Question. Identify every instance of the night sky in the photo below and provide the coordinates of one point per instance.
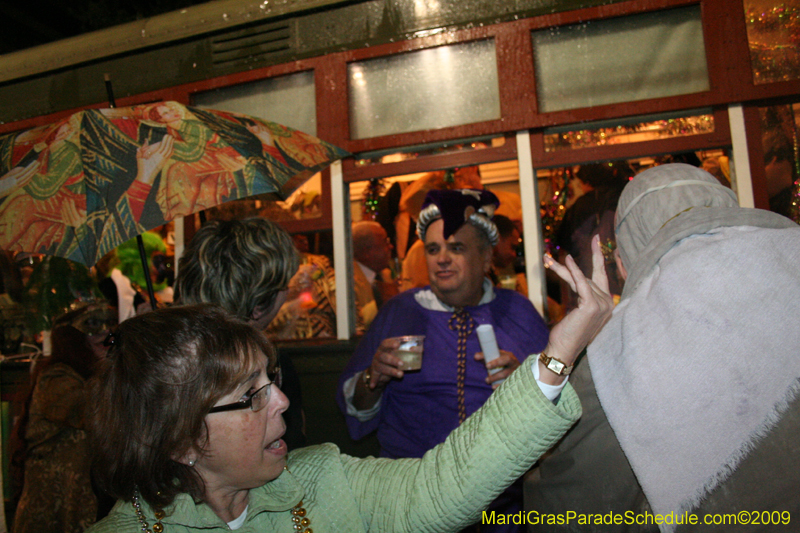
(28, 23)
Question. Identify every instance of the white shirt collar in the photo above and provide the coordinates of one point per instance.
(238, 522)
(428, 300)
(368, 272)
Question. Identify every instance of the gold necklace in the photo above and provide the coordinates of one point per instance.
(158, 527)
(299, 518)
(301, 521)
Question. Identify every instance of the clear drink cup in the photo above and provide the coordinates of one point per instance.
(410, 351)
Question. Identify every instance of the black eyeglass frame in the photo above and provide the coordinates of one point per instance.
(247, 402)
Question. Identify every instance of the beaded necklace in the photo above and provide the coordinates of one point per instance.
(158, 527)
(301, 521)
(462, 323)
(299, 518)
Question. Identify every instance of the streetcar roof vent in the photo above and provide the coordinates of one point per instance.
(254, 44)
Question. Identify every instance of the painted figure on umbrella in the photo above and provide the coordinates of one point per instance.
(42, 197)
(184, 166)
(82, 186)
(196, 170)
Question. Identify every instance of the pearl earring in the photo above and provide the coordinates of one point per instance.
(191, 462)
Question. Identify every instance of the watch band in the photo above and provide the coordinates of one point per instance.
(554, 365)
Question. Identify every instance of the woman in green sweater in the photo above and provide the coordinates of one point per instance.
(188, 430)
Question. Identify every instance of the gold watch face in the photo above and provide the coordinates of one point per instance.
(556, 366)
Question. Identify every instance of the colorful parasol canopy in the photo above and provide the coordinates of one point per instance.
(81, 186)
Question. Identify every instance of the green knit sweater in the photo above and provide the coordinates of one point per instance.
(444, 491)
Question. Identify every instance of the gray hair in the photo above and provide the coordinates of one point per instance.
(239, 265)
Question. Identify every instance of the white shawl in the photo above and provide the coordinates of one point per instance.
(701, 359)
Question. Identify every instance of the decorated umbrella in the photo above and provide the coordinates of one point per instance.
(81, 186)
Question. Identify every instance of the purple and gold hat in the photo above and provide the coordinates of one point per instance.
(456, 208)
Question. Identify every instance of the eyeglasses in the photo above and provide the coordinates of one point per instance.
(256, 400)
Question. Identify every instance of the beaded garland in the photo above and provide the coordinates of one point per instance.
(158, 527)
(299, 518)
(299, 515)
(462, 323)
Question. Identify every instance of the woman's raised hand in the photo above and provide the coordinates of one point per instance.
(595, 305)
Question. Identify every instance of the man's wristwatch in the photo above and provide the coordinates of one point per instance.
(366, 376)
(554, 365)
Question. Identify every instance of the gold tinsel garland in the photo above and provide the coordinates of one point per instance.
(774, 36)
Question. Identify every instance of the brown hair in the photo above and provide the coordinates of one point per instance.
(166, 369)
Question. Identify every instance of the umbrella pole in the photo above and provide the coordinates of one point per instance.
(109, 90)
(142, 254)
(147, 277)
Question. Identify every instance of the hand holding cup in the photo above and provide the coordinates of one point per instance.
(394, 357)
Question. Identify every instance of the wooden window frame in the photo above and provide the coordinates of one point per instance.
(729, 70)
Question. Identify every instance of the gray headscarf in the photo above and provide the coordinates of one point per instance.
(658, 194)
(655, 211)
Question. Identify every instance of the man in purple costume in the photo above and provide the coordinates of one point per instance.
(415, 411)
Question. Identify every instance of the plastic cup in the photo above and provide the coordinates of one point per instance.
(410, 351)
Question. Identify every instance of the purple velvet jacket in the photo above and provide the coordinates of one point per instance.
(419, 411)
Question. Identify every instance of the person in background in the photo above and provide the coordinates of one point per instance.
(415, 411)
(130, 264)
(129, 290)
(593, 214)
(50, 448)
(388, 216)
(245, 266)
(372, 253)
(414, 268)
(719, 167)
(164, 262)
(116, 287)
(504, 257)
(10, 277)
(12, 314)
(780, 172)
(310, 308)
(27, 263)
